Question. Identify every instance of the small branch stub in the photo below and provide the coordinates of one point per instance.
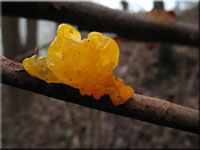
(36, 51)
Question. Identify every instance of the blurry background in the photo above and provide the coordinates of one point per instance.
(166, 71)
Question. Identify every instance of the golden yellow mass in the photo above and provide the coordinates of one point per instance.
(86, 64)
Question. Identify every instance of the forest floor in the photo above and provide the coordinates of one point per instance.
(167, 71)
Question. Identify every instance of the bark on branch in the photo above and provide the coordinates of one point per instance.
(92, 17)
(153, 110)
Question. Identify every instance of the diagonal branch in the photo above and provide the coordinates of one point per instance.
(153, 110)
(93, 17)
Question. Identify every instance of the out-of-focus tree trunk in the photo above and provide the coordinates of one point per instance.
(158, 5)
(168, 62)
(18, 100)
(124, 5)
(10, 37)
(31, 34)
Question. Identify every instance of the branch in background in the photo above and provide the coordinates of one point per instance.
(139, 107)
(93, 17)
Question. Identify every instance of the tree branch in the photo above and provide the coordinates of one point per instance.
(92, 17)
(153, 110)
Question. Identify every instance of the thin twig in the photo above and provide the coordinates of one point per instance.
(30, 53)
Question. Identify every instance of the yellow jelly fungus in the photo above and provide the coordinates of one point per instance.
(36, 66)
(86, 64)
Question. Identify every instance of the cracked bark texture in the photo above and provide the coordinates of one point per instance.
(144, 108)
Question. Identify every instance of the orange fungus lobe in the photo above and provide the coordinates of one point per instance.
(86, 64)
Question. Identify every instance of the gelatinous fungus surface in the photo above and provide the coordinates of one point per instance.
(86, 64)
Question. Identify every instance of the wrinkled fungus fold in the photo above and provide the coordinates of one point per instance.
(86, 64)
